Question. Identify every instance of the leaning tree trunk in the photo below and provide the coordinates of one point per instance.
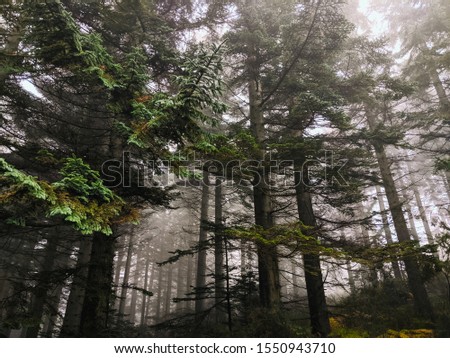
(415, 280)
(98, 295)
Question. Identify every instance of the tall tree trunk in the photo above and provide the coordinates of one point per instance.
(218, 253)
(43, 284)
(370, 273)
(55, 297)
(168, 294)
(144, 305)
(52, 316)
(159, 295)
(98, 294)
(412, 224)
(415, 280)
(200, 280)
(318, 311)
(125, 282)
(72, 316)
(118, 270)
(351, 278)
(295, 281)
(268, 271)
(181, 289)
(189, 273)
(420, 206)
(137, 271)
(387, 231)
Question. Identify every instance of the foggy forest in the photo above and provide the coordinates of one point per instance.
(227, 168)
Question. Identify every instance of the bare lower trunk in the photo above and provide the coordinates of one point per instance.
(143, 321)
(137, 271)
(420, 206)
(181, 283)
(218, 253)
(387, 232)
(268, 271)
(71, 323)
(159, 294)
(200, 280)
(168, 294)
(125, 282)
(96, 306)
(43, 284)
(190, 269)
(318, 309)
(351, 278)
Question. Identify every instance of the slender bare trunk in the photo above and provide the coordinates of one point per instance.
(136, 275)
(218, 252)
(387, 232)
(144, 295)
(159, 294)
(190, 269)
(125, 282)
(168, 293)
(420, 206)
(200, 280)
